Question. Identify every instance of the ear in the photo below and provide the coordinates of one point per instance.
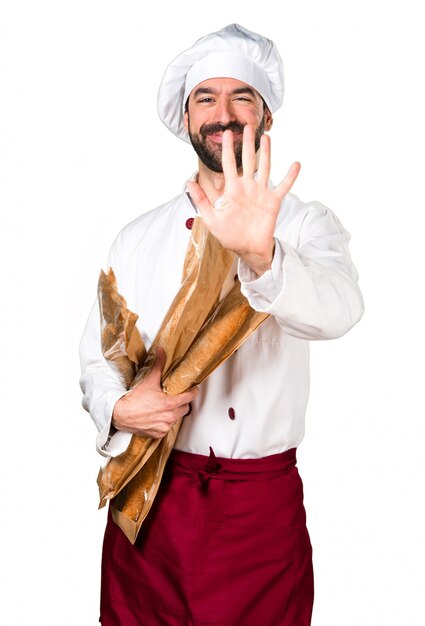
(186, 120)
(268, 119)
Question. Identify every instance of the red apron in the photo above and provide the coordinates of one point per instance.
(225, 544)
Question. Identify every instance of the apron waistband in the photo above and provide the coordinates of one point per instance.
(203, 468)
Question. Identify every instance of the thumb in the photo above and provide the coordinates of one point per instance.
(199, 197)
(286, 184)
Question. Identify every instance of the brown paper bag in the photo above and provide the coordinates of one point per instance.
(197, 334)
(205, 268)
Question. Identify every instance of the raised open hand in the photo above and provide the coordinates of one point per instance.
(244, 218)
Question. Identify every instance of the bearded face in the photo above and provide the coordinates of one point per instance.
(210, 150)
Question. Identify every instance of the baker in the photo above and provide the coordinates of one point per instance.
(226, 540)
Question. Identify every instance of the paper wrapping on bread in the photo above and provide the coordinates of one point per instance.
(198, 333)
(121, 341)
(205, 268)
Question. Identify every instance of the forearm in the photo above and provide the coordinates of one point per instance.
(101, 386)
(311, 291)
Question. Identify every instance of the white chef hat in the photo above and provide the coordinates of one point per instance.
(233, 52)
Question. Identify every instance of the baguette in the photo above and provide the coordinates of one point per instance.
(198, 333)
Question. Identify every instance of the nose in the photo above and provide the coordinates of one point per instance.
(224, 112)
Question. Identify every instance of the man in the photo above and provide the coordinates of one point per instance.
(226, 540)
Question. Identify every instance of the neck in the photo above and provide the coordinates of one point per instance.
(211, 182)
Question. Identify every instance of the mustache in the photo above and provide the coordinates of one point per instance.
(211, 129)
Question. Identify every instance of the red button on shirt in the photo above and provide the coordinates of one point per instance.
(189, 223)
(231, 413)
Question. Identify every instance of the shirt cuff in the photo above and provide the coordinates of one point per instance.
(111, 442)
(262, 291)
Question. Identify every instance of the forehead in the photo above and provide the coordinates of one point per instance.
(223, 85)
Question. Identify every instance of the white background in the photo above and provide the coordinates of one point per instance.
(83, 153)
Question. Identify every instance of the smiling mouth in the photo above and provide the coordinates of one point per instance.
(218, 137)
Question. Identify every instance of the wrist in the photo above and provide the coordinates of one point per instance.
(119, 414)
(260, 263)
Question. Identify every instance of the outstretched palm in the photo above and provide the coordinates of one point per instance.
(244, 219)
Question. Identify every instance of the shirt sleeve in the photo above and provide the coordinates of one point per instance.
(312, 289)
(100, 382)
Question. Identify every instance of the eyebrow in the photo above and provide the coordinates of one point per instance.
(210, 90)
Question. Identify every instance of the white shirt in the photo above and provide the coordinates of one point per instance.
(254, 404)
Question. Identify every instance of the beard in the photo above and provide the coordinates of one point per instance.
(211, 155)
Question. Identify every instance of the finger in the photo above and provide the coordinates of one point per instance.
(228, 160)
(197, 194)
(263, 172)
(286, 184)
(186, 397)
(185, 410)
(201, 201)
(189, 396)
(248, 151)
(170, 417)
